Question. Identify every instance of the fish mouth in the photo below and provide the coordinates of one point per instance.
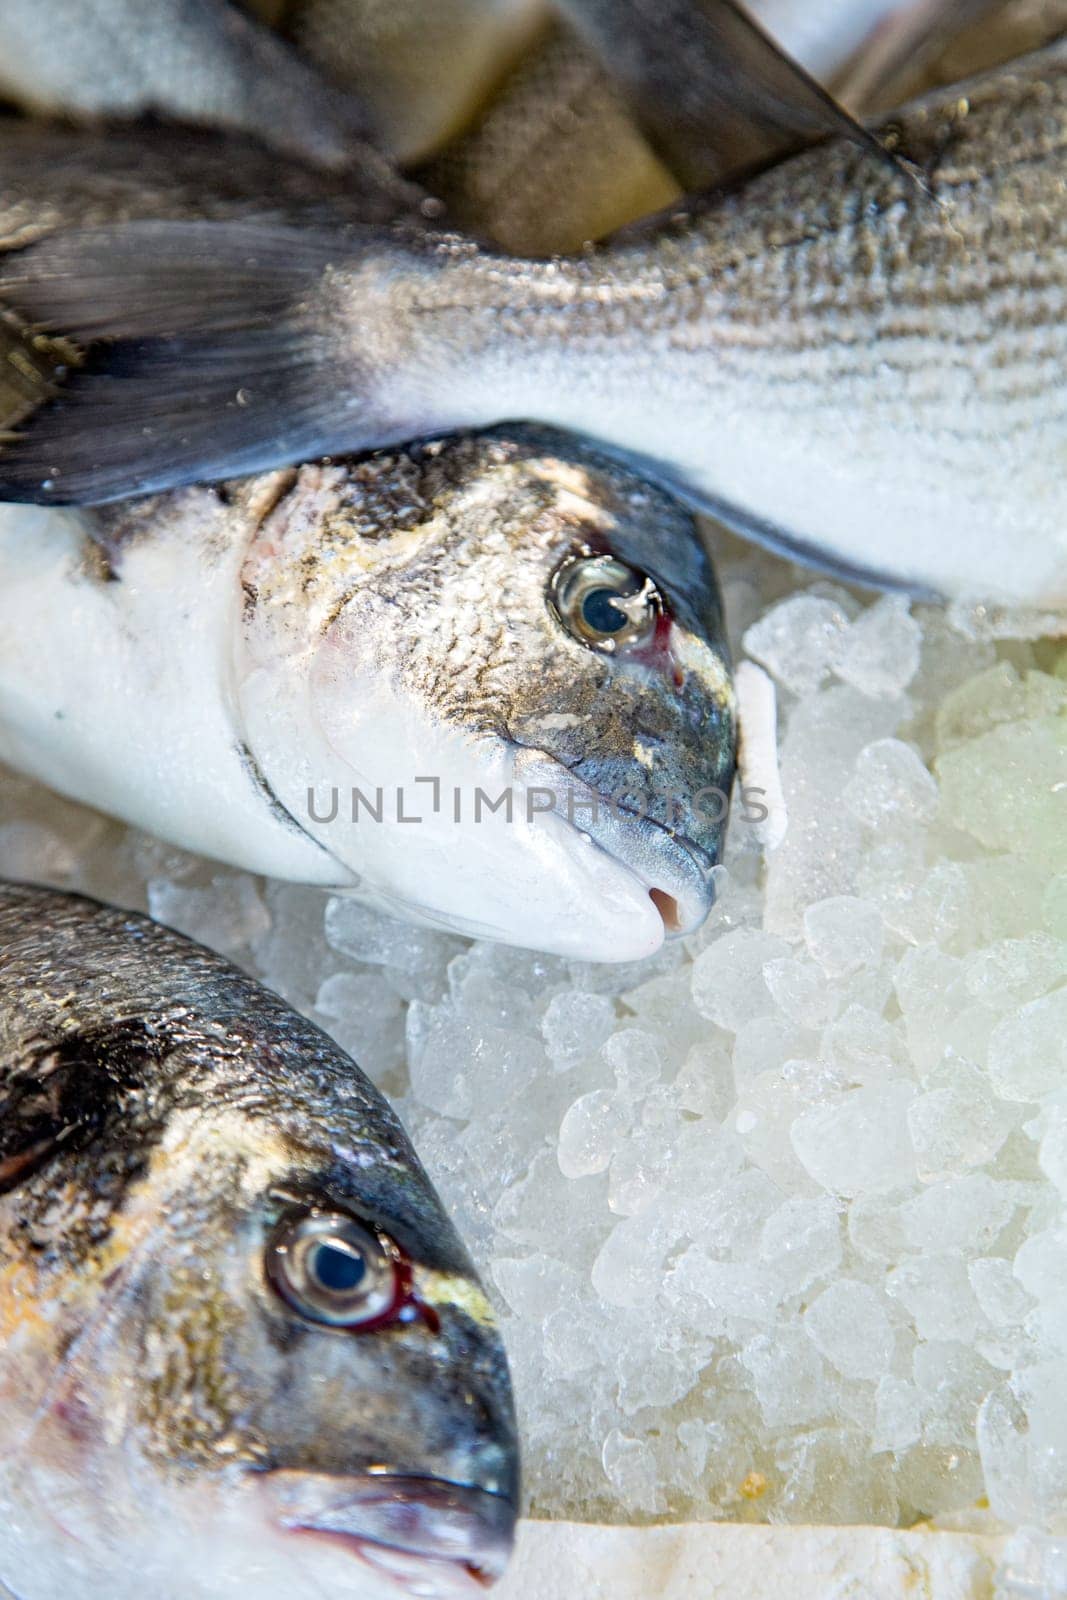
(675, 872)
(451, 1539)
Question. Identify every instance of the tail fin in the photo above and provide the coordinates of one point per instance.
(221, 358)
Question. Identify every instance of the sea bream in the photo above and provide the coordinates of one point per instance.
(480, 683)
(854, 364)
(242, 1348)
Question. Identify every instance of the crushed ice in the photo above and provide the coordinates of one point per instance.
(775, 1220)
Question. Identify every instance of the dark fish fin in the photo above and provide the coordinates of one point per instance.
(219, 364)
(714, 93)
(139, 280)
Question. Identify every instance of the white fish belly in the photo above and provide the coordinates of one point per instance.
(119, 694)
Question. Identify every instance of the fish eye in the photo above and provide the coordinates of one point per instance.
(605, 604)
(332, 1270)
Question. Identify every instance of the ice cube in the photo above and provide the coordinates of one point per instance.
(801, 992)
(958, 1124)
(228, 915)
(848, 1324)
(898, 1415)
(590, 1133)
(881, 648)
(799, 641)
(891, 785)
(728, 982)
(1013, 971)
(575, 1025)
(788, 1377)
(1008, 789)
(858, 1142)
(1028, 1049)
(801, 1241)
(630, 1468)
(936, 1291)
(964, 1214)
(844, 933)
(767, 1110)
(366, 1018)
(998, 1291)
(1052, 1154)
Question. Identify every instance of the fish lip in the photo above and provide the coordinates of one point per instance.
(672, 864)
(462, 1532)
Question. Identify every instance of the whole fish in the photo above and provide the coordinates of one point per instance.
(422, 67)
(242, 1348)
(481, 683)
(849, 365)
(197, 60)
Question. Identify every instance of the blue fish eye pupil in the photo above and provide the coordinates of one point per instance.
(337, 1270)
(600, 614)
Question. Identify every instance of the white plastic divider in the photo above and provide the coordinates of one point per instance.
(732, 1561)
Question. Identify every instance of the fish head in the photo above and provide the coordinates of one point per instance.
(521, 692)
(285, 1359)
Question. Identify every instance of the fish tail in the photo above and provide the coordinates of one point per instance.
(216, 349)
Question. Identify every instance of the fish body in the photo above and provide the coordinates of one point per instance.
(240, 1341)
(201, 61)
(853, 366)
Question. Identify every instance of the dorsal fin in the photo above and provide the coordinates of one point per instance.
(713, 92)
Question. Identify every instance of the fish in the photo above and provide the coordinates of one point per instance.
(931, 43)
(855, 367)
(203, 61)
(241, 1343)
(53, 176)
(479, 683)
(422, 67)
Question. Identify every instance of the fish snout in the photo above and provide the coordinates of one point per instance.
(453, 1540)
(675, 872)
